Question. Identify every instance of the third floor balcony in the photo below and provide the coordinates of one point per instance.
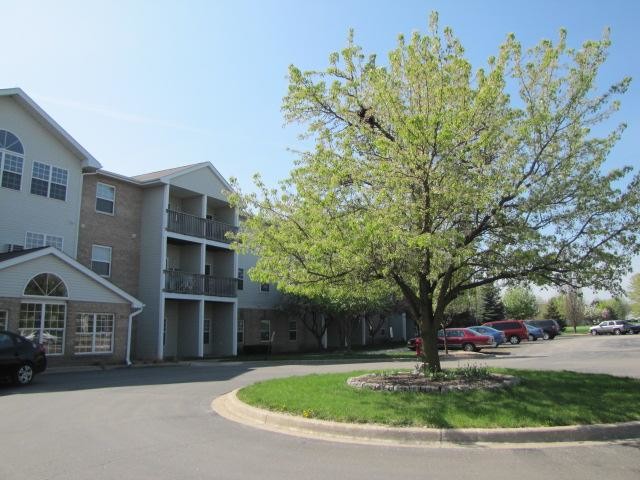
(187, 224)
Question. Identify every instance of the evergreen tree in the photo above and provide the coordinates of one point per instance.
(552, 311)
(493, 306)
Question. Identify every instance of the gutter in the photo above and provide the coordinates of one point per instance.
(131, 315)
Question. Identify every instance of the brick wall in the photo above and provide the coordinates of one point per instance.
(121, 319)
(279, 324)
(120, 231)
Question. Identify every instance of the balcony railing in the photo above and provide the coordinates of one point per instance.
(187, 224)
(198, 284)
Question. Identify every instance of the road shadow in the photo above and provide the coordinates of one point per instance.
(125, 377)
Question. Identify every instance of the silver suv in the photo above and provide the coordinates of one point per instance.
(613, 327)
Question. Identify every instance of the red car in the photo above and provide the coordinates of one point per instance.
(463, 338)
(514, 330)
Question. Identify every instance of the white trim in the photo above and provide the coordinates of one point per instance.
(95, 206)
(49, 181)
(6, 319)
(42, 313)
(61, 299)
(194, 168)
(93, 334)
(187, 296)
(73, 263)
(44, 240)
(110, 258)
(33, 108)
(3, 152)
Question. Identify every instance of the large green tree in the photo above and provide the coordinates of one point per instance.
(435, 179)
(520, 303)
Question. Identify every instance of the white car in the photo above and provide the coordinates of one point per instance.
(612, 327)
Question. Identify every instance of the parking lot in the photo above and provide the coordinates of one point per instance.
(156, 423)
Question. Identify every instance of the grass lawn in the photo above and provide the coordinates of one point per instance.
(541, 399)
(581, 329)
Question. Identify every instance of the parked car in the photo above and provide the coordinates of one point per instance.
(514, 330)
(20, 358)
(411, 343)
(499, 336)
(466, 339)
(534, 332)
(635, 328)
(612, 327)
(551, 328)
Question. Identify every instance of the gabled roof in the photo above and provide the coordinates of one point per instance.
(166, 175)
(151, 176)
(51, 125)
(15, 258)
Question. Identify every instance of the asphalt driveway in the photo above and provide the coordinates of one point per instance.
(156, 423)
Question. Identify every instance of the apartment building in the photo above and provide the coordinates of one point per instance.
(45, 294)
(163, 235)
(86, 249)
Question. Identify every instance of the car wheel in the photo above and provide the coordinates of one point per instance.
(594, 332)
(24, 374)
(514, 340)
(546, 336)
(469, 347)
(617, 331)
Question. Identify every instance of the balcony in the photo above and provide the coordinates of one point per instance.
(198, 284)
(187, 224)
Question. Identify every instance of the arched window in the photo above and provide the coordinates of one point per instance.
(46, 285)
(11, 160)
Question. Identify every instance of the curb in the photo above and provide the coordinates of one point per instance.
(230, 407)
(101, 368)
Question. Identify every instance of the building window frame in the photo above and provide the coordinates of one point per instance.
(265, 334)
(105, 200)
(94, 333)
(15, 150)
(240, 331)
(265, 287)
(240, 285)
(293, 330)
(33, 240)
(100, 261)
(39, 329)
(4, 319)
(55, 177)
(206, 331)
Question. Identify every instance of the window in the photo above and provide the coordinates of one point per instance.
(293, 330)
(49, 181)
(241, 279)
(44, 323)
(46, 285)
(101, 260)
(35, 240)
(207, 269)
(4, 319)
(265, 330)
(240, 335)
(105, 198)
(264, 287)
(94, 333)
(206, 332)
(11, 160)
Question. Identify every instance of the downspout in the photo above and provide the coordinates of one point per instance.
(131, 315)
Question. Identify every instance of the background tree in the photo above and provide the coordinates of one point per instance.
(520, 303)
(434, 179)
(310, 312)
(493, 308)
(612, 308)
(574, 307)
(555, 311)
(633, 293)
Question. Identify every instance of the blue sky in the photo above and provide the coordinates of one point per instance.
(147, 85)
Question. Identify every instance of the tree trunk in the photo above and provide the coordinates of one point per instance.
(430, 344)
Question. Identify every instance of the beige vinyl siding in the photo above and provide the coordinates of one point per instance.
(79, 286)
(22, 211)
